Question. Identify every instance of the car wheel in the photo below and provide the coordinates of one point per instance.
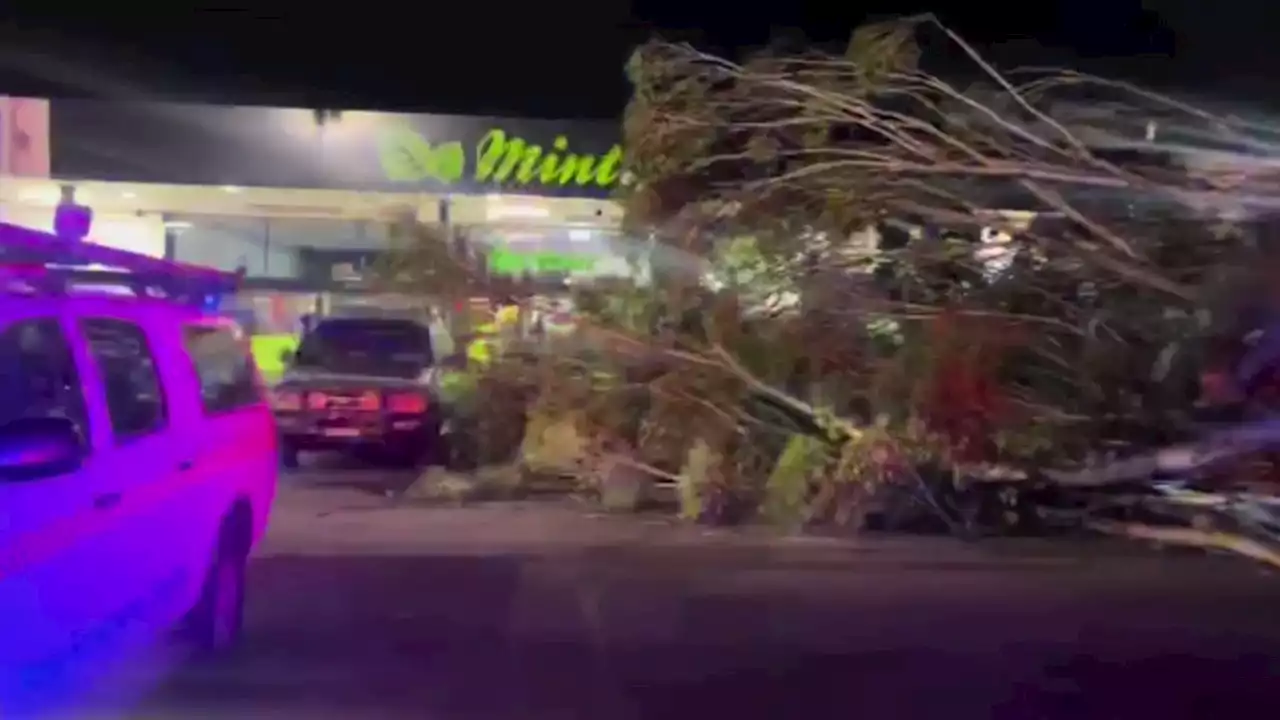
(216, 624)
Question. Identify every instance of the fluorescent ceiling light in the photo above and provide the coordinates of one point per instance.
(497, 207)
(177, 224)
(128, 194)
(231, 189)
(31, 195)
(49, 195)
(579, 235)
(518, 211)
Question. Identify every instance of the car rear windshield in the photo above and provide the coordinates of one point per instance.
(400, 348)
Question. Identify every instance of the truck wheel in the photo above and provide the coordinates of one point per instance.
(409, 456)
(440, 453)
(216, 624)
(289, 455)
(420, 452)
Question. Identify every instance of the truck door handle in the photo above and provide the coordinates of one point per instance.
(106, 501)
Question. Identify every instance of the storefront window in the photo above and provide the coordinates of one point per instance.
(287, 248)
(322, 253)
(228, 243)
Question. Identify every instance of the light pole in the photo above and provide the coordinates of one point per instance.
(323, 117)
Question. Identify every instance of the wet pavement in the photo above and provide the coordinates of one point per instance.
(359, 610)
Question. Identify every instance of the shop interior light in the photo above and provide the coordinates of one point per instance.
(48, 195)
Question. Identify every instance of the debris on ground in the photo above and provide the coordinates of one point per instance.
(437, 484)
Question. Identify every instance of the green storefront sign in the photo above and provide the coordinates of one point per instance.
(406, 155)
(505, 261)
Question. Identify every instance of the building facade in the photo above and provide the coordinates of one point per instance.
(304, 198)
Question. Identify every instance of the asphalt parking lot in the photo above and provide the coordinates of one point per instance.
(363, 609)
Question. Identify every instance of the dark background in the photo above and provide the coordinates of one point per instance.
(565, 59)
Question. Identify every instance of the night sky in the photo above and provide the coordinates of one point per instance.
(564, 59)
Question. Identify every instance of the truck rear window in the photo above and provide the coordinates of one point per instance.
(367, 345)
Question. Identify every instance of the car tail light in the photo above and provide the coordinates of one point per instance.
(406, 404)
(317, 401)
(286, 400)
(369, 401)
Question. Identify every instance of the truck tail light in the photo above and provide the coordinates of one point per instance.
(317, 401)
(369, 401)
(287, 400)
(406, 404)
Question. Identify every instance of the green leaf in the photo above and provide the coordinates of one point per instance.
(450, 162)
(405, 155)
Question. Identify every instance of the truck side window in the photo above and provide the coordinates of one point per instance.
(38, 376)
(135, 397)
(225, 366)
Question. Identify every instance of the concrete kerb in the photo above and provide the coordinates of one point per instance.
(558, 530)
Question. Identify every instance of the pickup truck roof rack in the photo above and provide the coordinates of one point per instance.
(49, 263)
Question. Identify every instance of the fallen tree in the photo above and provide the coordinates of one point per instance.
(907, 268)
(869, 186)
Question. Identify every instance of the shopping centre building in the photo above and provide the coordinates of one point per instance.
(303, 200)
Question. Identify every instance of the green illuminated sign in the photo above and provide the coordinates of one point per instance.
(407, 156)
(505, 261)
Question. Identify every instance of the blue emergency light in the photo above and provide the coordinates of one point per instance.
(55, 261)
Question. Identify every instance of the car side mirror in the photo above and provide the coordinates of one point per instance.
(38, 447)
